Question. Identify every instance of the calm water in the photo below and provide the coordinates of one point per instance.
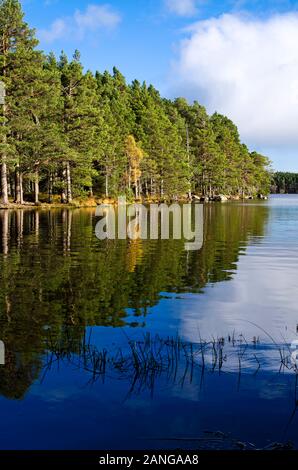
(74, 312)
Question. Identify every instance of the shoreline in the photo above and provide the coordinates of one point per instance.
(42, 206)
(93, 203)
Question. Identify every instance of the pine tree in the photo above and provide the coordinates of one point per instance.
(18, 64)
(77, 121)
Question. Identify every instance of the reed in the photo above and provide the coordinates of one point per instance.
(142, 361)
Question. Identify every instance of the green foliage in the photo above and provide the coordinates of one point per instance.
(285, 182)
(68, 131)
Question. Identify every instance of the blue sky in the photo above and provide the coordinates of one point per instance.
(237, 57)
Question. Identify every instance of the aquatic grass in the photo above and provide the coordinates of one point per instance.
(141, 362)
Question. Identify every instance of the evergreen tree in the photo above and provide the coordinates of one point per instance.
(20, 64)
(78, 126)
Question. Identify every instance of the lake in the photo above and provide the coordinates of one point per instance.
(134, 344)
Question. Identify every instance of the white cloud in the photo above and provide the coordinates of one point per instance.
(94, 18)
(248, 69)
(182, 7)
(56, 31)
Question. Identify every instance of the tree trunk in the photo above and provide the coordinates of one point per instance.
(36, 186)
(63, 193)
(68, 184)
(9, 186)
(4, 186)
(129, 177)
(50, 188)
(136, 184)
(152, 187)
(18, 196)
(107, 184)
(21, 188)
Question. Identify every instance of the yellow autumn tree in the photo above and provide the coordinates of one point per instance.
(134, 156)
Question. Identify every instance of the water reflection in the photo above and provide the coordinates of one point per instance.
(58, 281)
(54, 272)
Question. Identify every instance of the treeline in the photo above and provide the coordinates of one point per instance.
(74, 134)
(285, 183)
